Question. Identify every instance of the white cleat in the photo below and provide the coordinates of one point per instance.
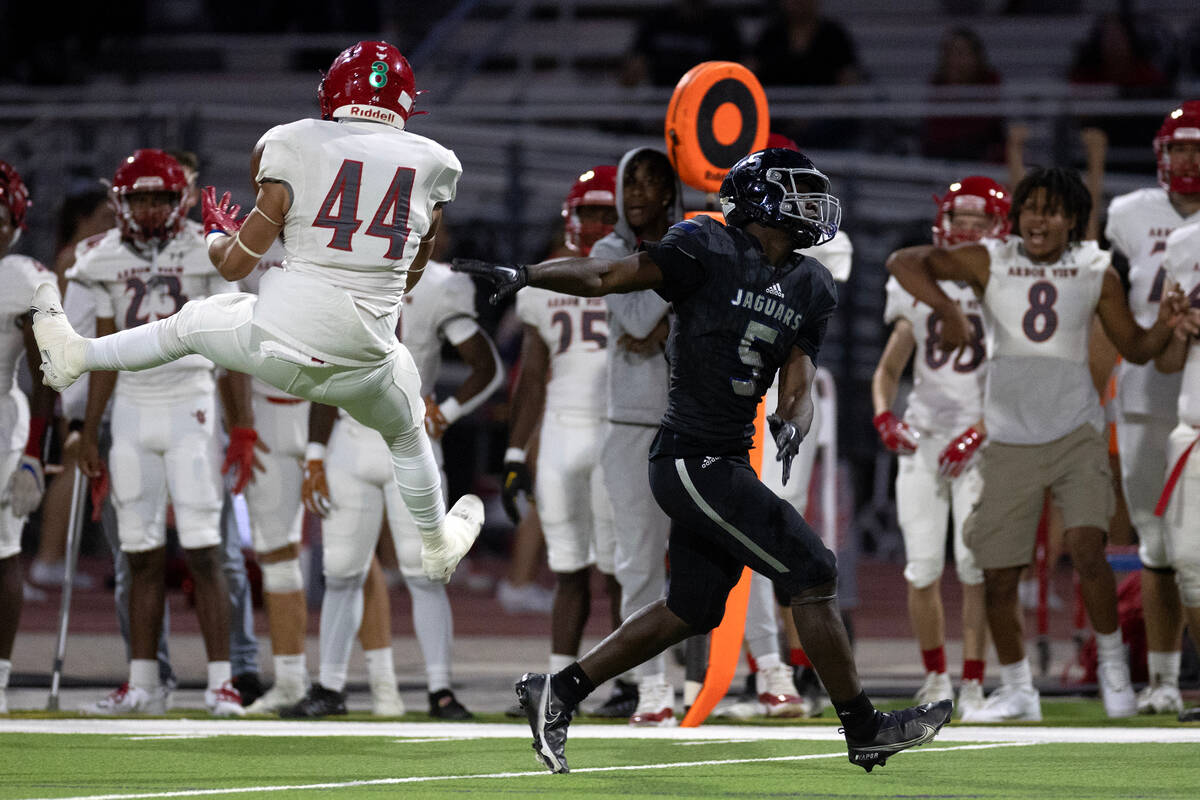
(386, 700)
(970, 697)
(1008, 703)
(126, 699)
(936, 687)
(282, 695)
(441, 551)
(1159, 699)
(224, 701)
(61, 347)
(1116, 689)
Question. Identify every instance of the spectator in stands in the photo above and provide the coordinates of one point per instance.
(963, 61)
(671, 40)
(799, 47)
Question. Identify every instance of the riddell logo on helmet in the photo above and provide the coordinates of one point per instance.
(371, 112)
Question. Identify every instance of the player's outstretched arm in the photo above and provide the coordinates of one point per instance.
(793, 415)
(1135, 343)
(918, 269)
(585, 277)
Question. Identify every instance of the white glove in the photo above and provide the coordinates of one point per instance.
(27, 486)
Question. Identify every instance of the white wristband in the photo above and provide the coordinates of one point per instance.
(212, 236)
(314, 451)
(451, 410)
(514, 454)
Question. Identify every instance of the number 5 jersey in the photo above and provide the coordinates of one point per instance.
(135, 288)
(1038, 320)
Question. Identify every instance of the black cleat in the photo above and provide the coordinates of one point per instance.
(319, 702)
(548, 719)
(620, 704)
(899, 730)
(249, 686)
(444, 705)
(1190, 714)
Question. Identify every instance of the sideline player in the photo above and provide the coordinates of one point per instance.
(561, 384)
(937, 441)
(324, 326)
(165, 441)
(1179, 505)
(746, 306)
(1038, 292)
(1138, 226)
(22, 480)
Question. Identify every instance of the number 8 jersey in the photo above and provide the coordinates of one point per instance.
(947, 393)
(1038, 320)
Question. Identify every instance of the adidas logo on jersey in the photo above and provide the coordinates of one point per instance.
(708, 461)
(775, 289)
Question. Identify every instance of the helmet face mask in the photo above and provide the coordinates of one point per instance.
(981, 199)
(781, 188)
(594, 189)
(1177, 150)
(368, 81)
(148, 196)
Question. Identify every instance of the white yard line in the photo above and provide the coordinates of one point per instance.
(499, 775)
(457, 730)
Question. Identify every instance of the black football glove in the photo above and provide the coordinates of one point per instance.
(505, 279)
(787, 439)
(516, 480)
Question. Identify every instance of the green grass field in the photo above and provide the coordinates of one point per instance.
(62, 756)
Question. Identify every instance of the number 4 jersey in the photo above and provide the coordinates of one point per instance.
(134, 289)
(947, 393)
(1038, 319)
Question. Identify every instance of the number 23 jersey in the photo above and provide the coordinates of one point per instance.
(737, 318)
(947, 393)
(1038, 319)
(134, 289)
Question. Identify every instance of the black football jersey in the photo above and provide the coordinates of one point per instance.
(737, 318)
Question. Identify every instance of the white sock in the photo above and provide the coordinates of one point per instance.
(5, 671)
(768, 661)
(559, 662)
(132, 349)
(291, 669)
(143, 673)
(1109, 647)
(218, 673)
(381, 666)
(1018, 674)
(434, 626)
(341, 616)
(1164, 667)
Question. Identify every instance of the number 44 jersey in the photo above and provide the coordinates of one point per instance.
(134, 288)
(947, 393)
(1038, 319)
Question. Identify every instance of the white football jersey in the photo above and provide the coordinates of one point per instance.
(575, 330)
(1183, 265)
(1038, 320)
(133, 289)
(272, 259)
(440, 307)
(836, 254)
(20, 276)
(947, 393)
(1138, 226)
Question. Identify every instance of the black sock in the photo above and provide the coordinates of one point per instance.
(572, 685)
(858, 717)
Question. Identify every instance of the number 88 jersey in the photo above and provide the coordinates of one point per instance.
(947, 393)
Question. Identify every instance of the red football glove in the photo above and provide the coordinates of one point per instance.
(240, 457)
(895, 434)
(98, 489)
(219, 215)
(960, 452)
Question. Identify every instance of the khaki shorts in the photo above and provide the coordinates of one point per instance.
(1002, 528)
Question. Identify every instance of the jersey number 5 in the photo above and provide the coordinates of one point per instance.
(755, 331)
(344, 194)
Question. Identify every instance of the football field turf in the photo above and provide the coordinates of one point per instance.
(65, 757)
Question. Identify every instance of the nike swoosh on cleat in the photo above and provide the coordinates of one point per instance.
(928, 734)
(544, 717)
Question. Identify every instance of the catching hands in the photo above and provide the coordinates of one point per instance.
(241, 458)
(959, 454)
(25, 488)
(895, 434)
(219, 215)
(787, 441)
(517, 479)
(505, 279)
(315, 489)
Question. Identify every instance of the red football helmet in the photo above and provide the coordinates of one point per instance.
(149, 172)
(596, 187)
(369, 80)
(14, 194)
(1182, 124)
(980, 195)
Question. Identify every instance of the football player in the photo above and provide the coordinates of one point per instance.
(323, 327)
(350, 486)
(1179, 503)
(22, 479)
(1138, 225)
(561, 384)
(937, 441)
(164, 422)
(746, 306)
(1038, 292)
(648, 201)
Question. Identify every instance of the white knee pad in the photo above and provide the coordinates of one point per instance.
(1187, 577)
(283, 577)
(198, 526)
(923, 572)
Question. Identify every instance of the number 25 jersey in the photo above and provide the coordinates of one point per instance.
(1038, 319)
(575, 330)
(737, 318)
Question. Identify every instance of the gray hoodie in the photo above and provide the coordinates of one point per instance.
(637, 385)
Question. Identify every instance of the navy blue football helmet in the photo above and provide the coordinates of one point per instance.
(781, 188)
